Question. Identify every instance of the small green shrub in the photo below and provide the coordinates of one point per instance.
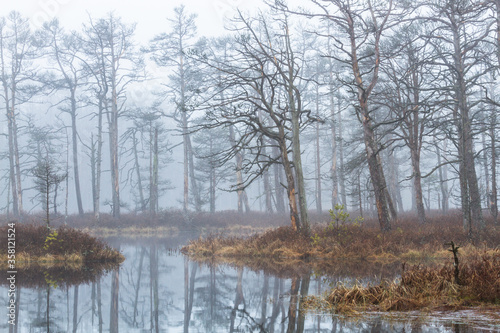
(51, 239)
(341, 217)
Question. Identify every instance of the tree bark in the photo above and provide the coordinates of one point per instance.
(292, 201)
(382, 200)
(417, 185)
(333, 170)
(138, 173)
(295, 108)
(74, 137)
(465, 135)
(113, 135)
(242, 197)
(340, 149)
(493, 196)
(278, 187)
(486, 169)
(97, 199)
(385, 210)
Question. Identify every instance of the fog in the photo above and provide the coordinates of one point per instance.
(217, 105)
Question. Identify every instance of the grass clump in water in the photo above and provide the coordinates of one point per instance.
(36, 243)
(426, 287)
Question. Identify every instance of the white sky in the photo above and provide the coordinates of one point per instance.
(150, 15)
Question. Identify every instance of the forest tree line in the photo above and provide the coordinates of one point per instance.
(344, 101)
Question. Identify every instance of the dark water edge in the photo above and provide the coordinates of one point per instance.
(157, 289)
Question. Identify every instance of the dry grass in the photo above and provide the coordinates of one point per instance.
(35, 243)
(426, 287)
(407, 241)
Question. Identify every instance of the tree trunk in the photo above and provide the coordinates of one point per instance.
(319, 207)
(292, 201)
(16, 153)
(12, 170)
(153, 177)
(113, 133)
(98, 160)
(278, 187)
(213, 185)
(382, 201)
(333, 170)
(267, 187)
(360, 197)
(242, 197)
(466, 134)
(185, 163)
(138, 172)
(475, 196)
(299, 174)
(92, 171)
(493, 196)
(464, 191)
(443, 180)
(486, 169)
(295, 107)
(340, 168)
(74, 136)
(47, 196)
(417, 185)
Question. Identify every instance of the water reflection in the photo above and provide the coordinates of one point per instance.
(157, 290)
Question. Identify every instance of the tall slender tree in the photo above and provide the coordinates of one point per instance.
(357, 22)
(115, 64)
(17, 76)
(169, 50)
(63, 53)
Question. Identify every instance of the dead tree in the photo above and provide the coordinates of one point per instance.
(355, 23)
(263, 100)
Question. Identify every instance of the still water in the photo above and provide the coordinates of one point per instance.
(157, 289)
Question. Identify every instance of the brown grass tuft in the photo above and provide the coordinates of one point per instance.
(422, 287)
(34, 244)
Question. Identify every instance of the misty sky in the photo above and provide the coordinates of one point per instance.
(150, 15)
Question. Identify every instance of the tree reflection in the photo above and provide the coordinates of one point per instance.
(180, 295)
(153, 291)
(113, 316)
(296, 313)
(75, 308)
(239, 299)
(188, 291)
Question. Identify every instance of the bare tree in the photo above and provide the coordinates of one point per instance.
(17, 75)
(404, 93)
(63, 51)
(115, 64)
(262, 99)
(169, 50)
(360, 27)
(460, 51)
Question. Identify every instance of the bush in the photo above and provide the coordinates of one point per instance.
(40, 241)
